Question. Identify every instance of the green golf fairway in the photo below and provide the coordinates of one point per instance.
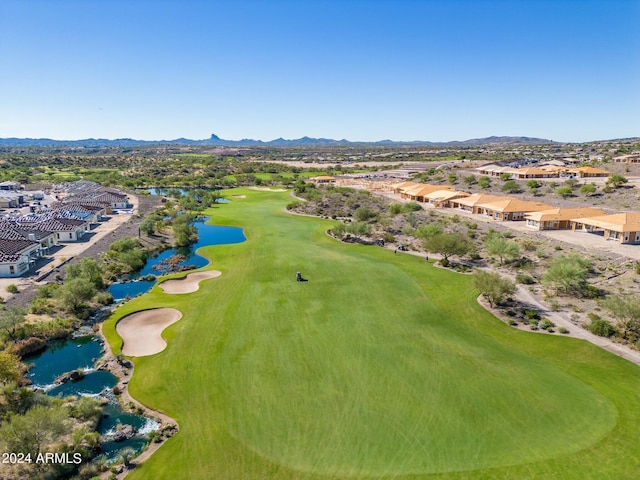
(379, 366)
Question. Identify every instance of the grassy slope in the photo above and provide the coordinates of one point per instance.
(380, 365)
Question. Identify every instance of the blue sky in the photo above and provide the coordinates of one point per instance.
(357, 69)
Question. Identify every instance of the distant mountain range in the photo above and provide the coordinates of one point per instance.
(214, 140)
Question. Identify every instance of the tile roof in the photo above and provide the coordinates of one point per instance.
(446, 194)
(514, 205)
(618, 222)
(477, 198)
(16, 247)
(421, 189)
(563, 214)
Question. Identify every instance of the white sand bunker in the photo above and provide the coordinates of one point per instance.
(141, 331)
(188, 284)
(267, 189)
(238, 196)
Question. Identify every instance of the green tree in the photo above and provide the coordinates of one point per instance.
(469, 180)
(511, 186)
(616, 180)
(447, 244)
(339, 230)
(493, 287)
(88, 269)
(533, 184)
(602, 328)
(428, 231)
(395, 208)
(358, 229)
(364, 214)
(11, 319)
(36, 429)
(183, 232)
(587, 189)
(74, 293)
(502, 248)
(484, 182)
(411, 207)
(452, 178)
(149, 224)
(627, 314)
(564, 192)
(505, 177)
(567, 274)
(10, 368)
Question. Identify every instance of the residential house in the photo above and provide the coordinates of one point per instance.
(418, 192)
(402, 186)
(532, 172)
(8, 185)
(621, 227)
(323, 180)
(631, 158)
(17, 256)
(510, 208)
(65, 229)
(470, 203)
(443, 198)
(558, 218)
(495, 170)
(585, 172)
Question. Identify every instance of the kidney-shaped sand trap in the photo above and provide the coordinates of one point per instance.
(188, 284)
(141, 331)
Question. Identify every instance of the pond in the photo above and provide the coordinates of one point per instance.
(82, 353)
(178, 192)
(207, 235)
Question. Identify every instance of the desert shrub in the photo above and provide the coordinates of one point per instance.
(12, 288)
(411, 207)
(589, 291)
(593, 316)
(364, 214)
(484, 182)
(395, 208)
(511, 186)
(339, 230)
(41, 306)
(103, 298)
(545, 324)
(47, 290)
(563, 330)
(428, 231)
(388, 237)
(602, 327)
(525, 279)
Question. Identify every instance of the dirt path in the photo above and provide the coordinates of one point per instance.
(524, 296)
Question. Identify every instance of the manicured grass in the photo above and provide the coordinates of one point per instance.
(379, 366)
